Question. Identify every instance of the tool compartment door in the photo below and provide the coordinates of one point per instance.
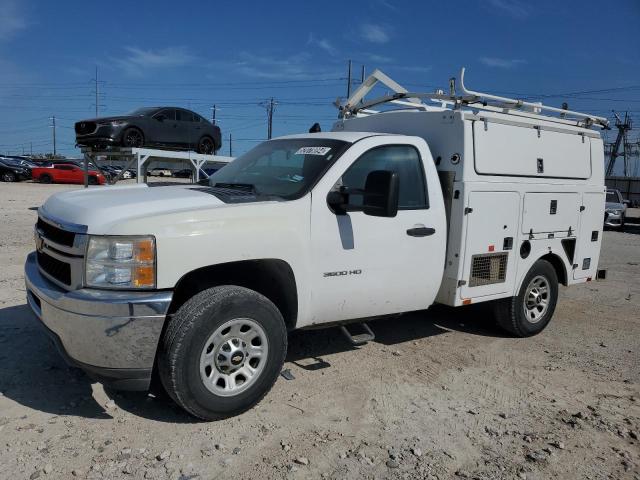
(589, 238)
(550, 212)
(524, 151)
(492, 228)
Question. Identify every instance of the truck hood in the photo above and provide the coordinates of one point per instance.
(100, 208)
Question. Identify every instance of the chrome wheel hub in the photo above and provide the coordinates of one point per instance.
(233, 357)
(536, 299)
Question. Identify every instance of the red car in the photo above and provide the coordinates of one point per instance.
(66, 173)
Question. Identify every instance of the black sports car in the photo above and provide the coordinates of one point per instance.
(167, 127)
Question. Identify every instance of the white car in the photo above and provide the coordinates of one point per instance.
(160, 172)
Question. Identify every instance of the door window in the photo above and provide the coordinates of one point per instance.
(402, 159)
(166, 114)
(184, 116)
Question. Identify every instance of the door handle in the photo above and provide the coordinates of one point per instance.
(421, 231)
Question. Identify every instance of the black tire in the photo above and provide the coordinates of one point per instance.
(511, 312)
(132, 138)
(9, 177)
(161, 174)
(93, 180)
(45, 178)
(206, 146)
(187, 334)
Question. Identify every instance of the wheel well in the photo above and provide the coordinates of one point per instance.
(132, 127)
(270, 277)
(558, 266)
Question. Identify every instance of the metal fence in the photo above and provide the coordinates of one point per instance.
(628, 186)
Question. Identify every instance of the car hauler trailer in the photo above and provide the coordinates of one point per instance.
(470, 198)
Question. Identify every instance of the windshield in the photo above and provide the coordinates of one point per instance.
(285, 168)
(142, 111)
(612, 197)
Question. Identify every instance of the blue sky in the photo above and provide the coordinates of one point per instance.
(238, 54)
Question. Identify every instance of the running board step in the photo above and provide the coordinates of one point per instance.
(360, 338)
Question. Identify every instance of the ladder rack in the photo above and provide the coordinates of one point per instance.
(478, 100)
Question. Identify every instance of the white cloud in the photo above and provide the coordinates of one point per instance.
(137, 59)
(322, 43)
(514, 8)
(13, 19)
(501, 62)
(373, 33)
(374, 57)
(292, 67)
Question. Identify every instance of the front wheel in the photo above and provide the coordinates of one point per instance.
(529, 312)
(133, 138)
(9, 177)
(205, 146)
(45, 178)
(222, 352)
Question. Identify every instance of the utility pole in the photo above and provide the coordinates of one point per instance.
(53, 125)
(213, 114)
(96, 91)
(362, 72)
(349, 80)
(270, 132)
(269, 105)
(230, 146)
(31, 148)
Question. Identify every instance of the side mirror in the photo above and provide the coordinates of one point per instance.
(626, 202)
(381, 194)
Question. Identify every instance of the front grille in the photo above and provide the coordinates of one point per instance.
(55, 234)
(488, 268)
(57, 269)
(85, 128)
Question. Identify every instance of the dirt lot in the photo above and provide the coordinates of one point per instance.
(439, 394)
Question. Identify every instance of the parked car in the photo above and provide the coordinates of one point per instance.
(160, 172)
(166, 127)
(18, 161)
(615, 209)
(67, 173)
(184, 173)
(13, 173)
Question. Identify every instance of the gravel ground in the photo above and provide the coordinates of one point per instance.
(439, 394)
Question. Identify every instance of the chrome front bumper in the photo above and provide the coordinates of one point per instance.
(612, 220)
(112, 335)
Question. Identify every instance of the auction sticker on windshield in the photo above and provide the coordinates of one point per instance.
(313, 150)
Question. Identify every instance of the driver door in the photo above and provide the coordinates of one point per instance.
(165, 127)
(366, 266)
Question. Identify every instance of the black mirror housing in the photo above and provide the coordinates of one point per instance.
(379, 196)
(381, 191)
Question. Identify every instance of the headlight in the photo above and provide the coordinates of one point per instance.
(121, 262)
(614, 211)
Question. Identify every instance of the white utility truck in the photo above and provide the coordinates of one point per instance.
(448, 198)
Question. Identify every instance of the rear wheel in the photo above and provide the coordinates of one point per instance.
(133, 138)
(531, 310)
(222, 351)
(9, 177)
(93, 180)
(45, 178)
(205, 145)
